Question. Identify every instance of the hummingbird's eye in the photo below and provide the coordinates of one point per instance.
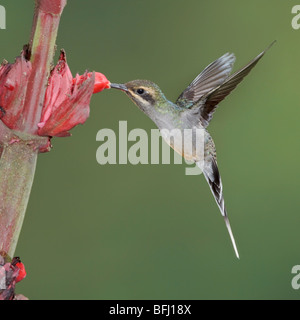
(140, 91)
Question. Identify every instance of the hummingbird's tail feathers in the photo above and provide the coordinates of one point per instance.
(215, 96)
(212, 76)
(231, 236)
(212, 176)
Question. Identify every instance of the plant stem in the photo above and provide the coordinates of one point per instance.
(41, 48)
(17, 167)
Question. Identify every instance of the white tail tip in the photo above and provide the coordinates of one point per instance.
(231, 236)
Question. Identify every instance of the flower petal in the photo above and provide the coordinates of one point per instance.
(59, 85)
(13, 85)
(101, 82)
(73, 108)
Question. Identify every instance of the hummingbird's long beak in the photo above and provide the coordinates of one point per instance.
(119, 86)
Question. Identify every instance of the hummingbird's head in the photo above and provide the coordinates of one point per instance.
(145, 94)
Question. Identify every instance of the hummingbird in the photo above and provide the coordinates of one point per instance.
(193, 110)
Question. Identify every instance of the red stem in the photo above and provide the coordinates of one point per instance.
(41, 48)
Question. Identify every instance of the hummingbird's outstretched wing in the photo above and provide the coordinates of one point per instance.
(209, 102)
(211, 77)
(212, 176)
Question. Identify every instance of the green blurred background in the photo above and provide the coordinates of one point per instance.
(150, 231)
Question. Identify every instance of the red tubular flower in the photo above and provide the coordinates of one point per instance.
(101, 82)
(66, 101)
(22, 271)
